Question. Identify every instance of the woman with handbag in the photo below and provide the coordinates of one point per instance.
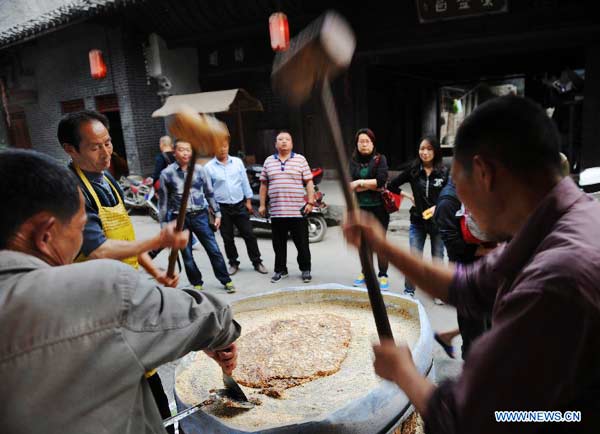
(427, 176)
(369, 173)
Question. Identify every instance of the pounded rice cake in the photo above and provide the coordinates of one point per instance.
(287, 352)
(311, 400)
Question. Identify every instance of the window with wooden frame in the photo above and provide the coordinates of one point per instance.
(107, 103)
(74, 105)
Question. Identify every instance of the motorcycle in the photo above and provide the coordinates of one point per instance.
(317, 225)
(138, 194)
(589, 181)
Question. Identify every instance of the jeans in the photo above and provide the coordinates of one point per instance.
(197, 223)
(237, 215)
(417, 234)
(298, 227)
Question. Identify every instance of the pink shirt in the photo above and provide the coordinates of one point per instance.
(286, 181)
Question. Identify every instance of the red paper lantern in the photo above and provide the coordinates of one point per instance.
(97, 65)
(279, 30)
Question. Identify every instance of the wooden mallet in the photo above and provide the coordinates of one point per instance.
(205, 133)
(318, 53)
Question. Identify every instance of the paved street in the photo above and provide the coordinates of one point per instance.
(333, 261)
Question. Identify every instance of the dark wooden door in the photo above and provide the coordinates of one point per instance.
(108, 105)
(18, 132)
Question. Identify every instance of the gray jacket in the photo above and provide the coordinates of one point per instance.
(76, 340)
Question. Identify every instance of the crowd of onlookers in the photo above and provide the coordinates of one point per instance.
(221, 192)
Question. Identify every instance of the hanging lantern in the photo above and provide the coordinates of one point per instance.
(97, 65)
(279, 30)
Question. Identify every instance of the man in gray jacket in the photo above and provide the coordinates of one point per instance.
(77, 339)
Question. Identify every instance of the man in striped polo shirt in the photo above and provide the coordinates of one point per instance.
(283, 178)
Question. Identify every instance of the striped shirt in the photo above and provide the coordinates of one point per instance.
(286, 181)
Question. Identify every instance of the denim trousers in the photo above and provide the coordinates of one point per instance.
(417, 234)
(197, 223)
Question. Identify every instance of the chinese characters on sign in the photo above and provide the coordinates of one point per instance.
(436, 10)
(441, 6)
(463, 5)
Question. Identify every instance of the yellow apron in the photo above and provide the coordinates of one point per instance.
(116, 223)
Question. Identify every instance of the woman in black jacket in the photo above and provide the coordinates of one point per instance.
(369, 172)
(427, 176)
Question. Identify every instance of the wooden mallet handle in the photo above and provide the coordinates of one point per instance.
(380, 315)
(319, 52)
(205, 134)
(189, 176)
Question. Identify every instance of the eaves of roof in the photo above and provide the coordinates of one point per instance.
(67, 14)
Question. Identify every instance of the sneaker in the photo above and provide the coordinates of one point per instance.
(198, 287)
(384, 283)
(438, 301)
(360, 280)
(277, 276)
(306, 277)
(230, 287)
(232, 269)
(261, 268)
(409, 293)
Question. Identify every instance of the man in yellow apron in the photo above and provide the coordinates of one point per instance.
(109, 233)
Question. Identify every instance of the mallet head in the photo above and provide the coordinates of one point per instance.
(204, 132)
(322, 50)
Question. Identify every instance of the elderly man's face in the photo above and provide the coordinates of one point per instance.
(68, 236)
(95, 147)
(483, 204)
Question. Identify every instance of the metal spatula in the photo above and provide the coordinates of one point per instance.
(235, 392)
(232, 394)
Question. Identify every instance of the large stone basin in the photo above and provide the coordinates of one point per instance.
(379, 409)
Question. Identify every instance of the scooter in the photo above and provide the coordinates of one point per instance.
(138, 194)
(589, 181)
(317, 226)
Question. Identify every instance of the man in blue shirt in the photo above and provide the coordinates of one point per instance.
(233, 193)
(196, 218)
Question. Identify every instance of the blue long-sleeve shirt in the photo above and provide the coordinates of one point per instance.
(172, 180)
(229, 180)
